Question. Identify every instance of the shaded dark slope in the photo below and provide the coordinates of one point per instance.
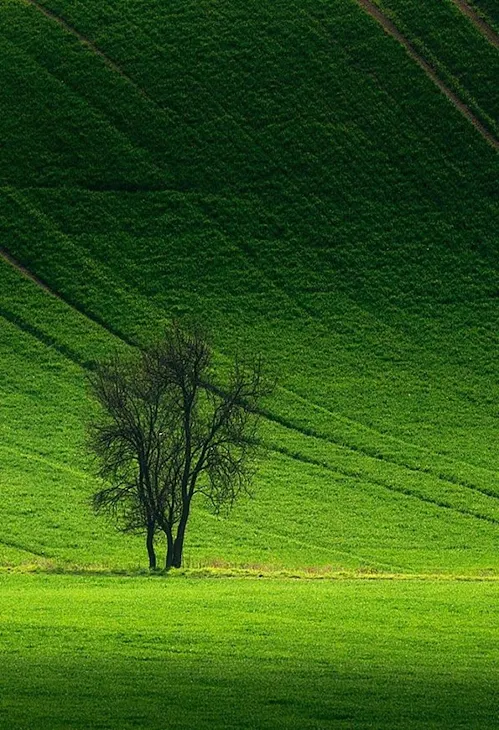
(489, 11)
(481, 23)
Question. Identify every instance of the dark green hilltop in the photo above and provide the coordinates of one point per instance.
(318, 182)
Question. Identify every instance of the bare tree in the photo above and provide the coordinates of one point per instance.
(168, 429)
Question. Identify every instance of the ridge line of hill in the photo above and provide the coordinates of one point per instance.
(389, 27)
(478, 21)
(379, 483)
(92, 46)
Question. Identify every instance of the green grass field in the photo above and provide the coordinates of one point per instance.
(183, 653)
(287, 174)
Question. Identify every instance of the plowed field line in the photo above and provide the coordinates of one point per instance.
(6, 256)
(91, 46)
(371, 454)
(478, 22)
(389, 27)
(407, 492)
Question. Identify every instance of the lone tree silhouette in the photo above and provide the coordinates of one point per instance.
(169, 428)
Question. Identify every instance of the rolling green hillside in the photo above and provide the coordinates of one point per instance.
(290, 174)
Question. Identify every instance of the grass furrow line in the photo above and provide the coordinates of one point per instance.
(102, 114)
(45, 339)
(371, 429)
(478, 21)
(379, 483)
(449, 479)
(440, 54)
(92, 47)
(19, 199)
(275, 418)
(32, 456)
(373, 454)
(487, 11)
(390, 28)
(247, 134)
(358, 424)
(20, 546)
(116, 68)
(96, 187)
(252, 260)
(6, 256)
(305, 543)
(22, 269)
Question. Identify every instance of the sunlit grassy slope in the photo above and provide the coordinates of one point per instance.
(285, 172)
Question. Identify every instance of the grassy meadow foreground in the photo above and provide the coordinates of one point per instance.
(104, 652)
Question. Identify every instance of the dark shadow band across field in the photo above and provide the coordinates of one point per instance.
(188, 692)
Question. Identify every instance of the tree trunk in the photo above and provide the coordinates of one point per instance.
(150, 546)
(169, 548)
(178, 545)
